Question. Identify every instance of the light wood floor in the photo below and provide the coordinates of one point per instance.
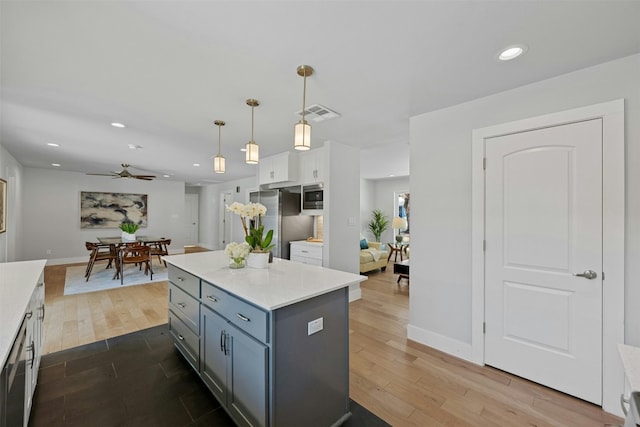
(405, 383)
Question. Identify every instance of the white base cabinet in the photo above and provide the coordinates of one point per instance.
(306, 252)
(22, 314)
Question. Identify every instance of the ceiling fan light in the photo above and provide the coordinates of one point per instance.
(252, 153)
(302, 135)
(218, 164)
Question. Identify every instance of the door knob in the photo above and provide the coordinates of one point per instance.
(588, 274)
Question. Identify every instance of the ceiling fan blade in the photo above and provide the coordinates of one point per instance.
(144, 177)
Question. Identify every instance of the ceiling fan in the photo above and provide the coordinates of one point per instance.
(124, 173)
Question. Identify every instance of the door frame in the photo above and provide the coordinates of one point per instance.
(613, 227)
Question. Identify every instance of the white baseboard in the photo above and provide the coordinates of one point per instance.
(440, 342)
(355, 293)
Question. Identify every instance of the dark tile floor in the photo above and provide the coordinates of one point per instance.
(137, 379)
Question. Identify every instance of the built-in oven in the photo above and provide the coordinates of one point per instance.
(312, 196)
(13, 380)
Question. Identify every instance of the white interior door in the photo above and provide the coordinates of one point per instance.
(192, 207)
(543, 225)
(225, 226)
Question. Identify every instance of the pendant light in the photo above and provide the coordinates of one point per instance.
(252, 149)
(302, 129)
(218, 161)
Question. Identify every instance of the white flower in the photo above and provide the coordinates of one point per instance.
(237, 250)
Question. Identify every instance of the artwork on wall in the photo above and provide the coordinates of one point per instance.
(109, 210)
(3, 205)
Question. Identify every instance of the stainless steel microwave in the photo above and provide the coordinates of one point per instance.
(312, 196)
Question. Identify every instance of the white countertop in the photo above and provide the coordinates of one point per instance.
(306, 242)
(631, 361)
(17, 282)
(282, 283)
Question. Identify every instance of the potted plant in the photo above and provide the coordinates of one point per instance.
(129, 231)
(378, 223)
(259, 242)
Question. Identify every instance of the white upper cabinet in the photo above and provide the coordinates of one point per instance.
(312, 166)
(281, 167)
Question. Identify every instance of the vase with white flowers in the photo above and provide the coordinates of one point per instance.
(237, 253)
(259, 242)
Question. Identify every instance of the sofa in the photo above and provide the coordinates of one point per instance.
(372, 258)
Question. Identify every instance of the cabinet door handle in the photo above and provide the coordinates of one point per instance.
(304, 252)
(42, 318)
(29, 315)
(180, 279)
(182, 305)
(241, 317)
(212, 299)
(221, 344)
(180, 337)
(31, 349)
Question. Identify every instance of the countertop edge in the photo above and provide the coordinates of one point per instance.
(215, 275)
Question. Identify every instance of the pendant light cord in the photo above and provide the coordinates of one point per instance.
(304, 94)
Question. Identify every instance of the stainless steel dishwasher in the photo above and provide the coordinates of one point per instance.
(633, 414)
(13, 382)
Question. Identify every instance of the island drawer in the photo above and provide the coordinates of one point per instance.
(186, 281)
(187, 307)
(187, 342)
(247, 317)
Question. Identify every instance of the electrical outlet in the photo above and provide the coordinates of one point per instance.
(315, 326)
(48, 251)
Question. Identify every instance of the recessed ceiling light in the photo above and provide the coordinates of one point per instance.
(56, 164)
(243, 149)
(196, 164)
(53, 144)
(135, 147)
(511, 52)
(166, 176)
(117, 125)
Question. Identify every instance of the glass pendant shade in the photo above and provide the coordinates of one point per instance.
(252, 153)
(218, 164)
(302, 135)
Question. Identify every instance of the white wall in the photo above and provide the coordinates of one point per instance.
(51, 214)
(11, 240)
(440, 301)
(342, 208)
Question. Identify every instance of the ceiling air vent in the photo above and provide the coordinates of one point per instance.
(318, 113)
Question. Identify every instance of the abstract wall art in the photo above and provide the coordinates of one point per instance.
(109, 210)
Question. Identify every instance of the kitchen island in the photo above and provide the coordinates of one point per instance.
(271, 344)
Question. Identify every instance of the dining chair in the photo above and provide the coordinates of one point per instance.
(160, 249)
(133, 254)
(99, 252)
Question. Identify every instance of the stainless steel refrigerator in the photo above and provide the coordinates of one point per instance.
(283, 216)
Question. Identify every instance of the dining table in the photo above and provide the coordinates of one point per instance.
(116, 242)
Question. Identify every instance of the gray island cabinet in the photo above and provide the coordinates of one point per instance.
(271, 344)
